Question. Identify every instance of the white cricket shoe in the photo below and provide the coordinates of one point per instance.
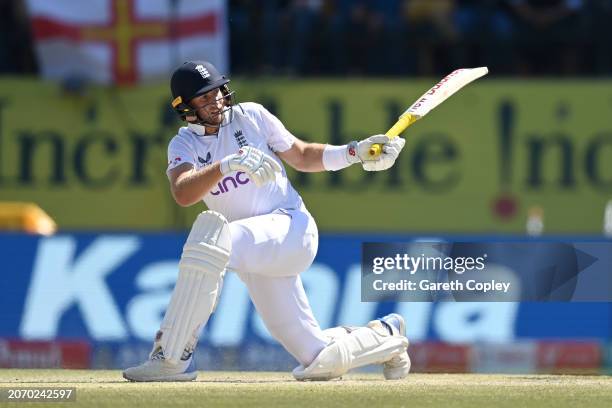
(399, 366)
(158, 369)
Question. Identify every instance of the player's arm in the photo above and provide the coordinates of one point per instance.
(189, 185)
(303, 156)
(314, 157)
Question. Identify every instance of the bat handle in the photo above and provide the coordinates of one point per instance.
(375, 150)
(401, 125)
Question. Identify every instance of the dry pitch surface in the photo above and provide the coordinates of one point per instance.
(251, 389)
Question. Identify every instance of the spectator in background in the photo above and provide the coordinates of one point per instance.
(385, 35)
(276, 36)
(274, 29)
(347, 28)
(419, 37)
(364, 37)
(548, 35)
(16, 47)
(430, 34)
(599, 33)
(243, 36)
(304, 17)
(484, 29)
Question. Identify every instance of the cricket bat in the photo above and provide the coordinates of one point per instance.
(430, 99)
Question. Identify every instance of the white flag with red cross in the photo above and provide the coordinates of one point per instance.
(126, 41)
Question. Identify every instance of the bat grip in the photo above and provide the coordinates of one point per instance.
(375, 150)
(401, 125)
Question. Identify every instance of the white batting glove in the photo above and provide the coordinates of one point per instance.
(360, 152)
(260, 167)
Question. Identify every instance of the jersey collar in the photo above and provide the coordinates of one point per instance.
(197, 129)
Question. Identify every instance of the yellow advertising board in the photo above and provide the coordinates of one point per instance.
(477, 163)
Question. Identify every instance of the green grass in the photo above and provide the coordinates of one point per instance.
(256, 389)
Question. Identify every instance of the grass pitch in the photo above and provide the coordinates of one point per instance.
(256, 389)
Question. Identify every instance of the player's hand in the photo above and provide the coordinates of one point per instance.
(359, 152)
(260, 167)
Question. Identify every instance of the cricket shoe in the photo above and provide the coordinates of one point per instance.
(158, 369)
(399, 366)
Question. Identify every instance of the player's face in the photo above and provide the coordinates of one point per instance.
(209, 106)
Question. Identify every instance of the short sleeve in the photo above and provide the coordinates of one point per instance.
(279, 138)
(179, 153)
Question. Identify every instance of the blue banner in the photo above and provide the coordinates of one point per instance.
(114, 288)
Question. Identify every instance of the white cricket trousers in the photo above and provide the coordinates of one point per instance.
(268, 254)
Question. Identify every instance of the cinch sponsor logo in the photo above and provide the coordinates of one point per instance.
(225, 184)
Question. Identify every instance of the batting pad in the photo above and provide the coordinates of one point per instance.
(201, 269)
(360, 347)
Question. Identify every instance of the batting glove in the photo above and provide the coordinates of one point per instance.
(360, 152)
(260, 167)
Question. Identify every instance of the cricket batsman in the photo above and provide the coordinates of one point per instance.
(231, 157)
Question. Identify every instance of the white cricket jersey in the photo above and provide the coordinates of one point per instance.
(236, 196)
